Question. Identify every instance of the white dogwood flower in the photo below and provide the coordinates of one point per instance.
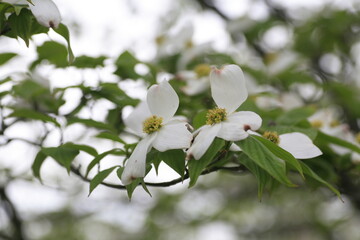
(229, 92)
(297, 144)
(161, 130)
(327, 121)
(197, 81)
(46, 13)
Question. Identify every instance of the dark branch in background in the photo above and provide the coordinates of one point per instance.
(6, 29)
(76, 171)
(5, 237)
(278, 12)
(350, 186)
(209, 4)
(16, 222)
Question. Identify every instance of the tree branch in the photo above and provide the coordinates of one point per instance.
(5, 237)
(13, 215)
(76, 171)
(209, 4)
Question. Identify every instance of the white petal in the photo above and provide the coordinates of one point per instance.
(173, 135)
(46, 13)
(187, 55)
(136, 118)
(232, 131)
(228, 87)
(186, 75)
(235, 148)
(162, 100)
(355, 157)
(181, 38)
(203, 140)
(248, 120)
(136, 164)
(299, 145)
(196, 86)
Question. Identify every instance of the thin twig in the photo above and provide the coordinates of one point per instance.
(14, 217)
(76, 171)
(5, 237)
(208, 4)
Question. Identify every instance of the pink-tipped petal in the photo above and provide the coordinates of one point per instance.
(228, 87)
(46, 13)
(232, 131)
(247, 119)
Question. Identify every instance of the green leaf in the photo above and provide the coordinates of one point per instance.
(31, 114)
(115, 120)
(89, 62)
(337, 141)
(143, 184)
(265, 159)
(196, 167)
(126, 66)
(309, 172)
(132, 186)
(39, 160)
(24, 25)
(110, 136)
(99, 178)
(175, 159)
(64, 31)
(5, 57)
(4, 8)
(53, 52)
(294, 116)
(261, 175)
(2, 94)
(90, 123)
(99, 157)
(63, 154)
(81, 147)
(211, 58)
(113, 93)
(153, 157)
(281, 153)
(5, 80)
(199, 119)
(29, 90)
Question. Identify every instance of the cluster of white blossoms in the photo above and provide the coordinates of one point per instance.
(327, 121)
(162, 131)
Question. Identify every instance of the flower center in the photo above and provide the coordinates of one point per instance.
(358, 137)
(317, 123)
(272, 136)
(152, 124)
(334, 123)
(202, 70)
(160, 40)
(189, 44)
(215, 115)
